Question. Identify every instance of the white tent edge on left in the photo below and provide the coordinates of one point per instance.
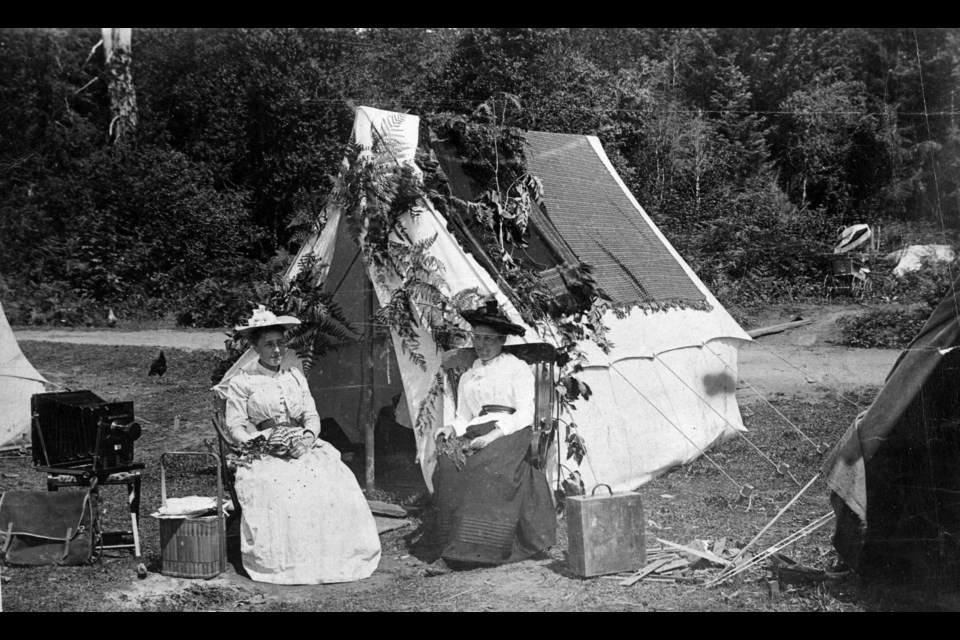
(19, 380)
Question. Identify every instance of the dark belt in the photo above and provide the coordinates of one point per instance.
(270, 423)
(496, 408)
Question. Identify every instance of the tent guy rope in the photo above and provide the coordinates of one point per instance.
(767, 402)
(778, 467)
(670, 422)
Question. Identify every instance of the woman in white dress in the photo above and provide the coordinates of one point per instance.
(304, 518)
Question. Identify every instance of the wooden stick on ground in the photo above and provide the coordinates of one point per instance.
(656, 564)
(777, 328)
(775, 518)
(752, 562)
(706, 555)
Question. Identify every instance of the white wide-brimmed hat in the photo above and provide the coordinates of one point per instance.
(261, 318)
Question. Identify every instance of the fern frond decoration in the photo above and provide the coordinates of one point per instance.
(390, 124)
(323, 326)
(428, 411)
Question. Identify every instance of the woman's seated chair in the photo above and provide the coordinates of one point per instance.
(542, 358)
(225, 447)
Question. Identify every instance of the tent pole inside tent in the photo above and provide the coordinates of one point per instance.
(368, 395)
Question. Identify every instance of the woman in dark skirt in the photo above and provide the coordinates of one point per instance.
(493, 506)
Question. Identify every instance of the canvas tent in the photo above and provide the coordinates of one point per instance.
(18, 382)
(665, 392)
(895, 474)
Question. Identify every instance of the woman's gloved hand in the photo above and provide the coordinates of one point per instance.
(443, 432)
(481, 441)
(287, 440)
(297, 448)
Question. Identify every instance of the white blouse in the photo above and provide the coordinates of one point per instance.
(256, 394)
(506, 381)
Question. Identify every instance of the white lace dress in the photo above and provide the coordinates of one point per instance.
(304, 520)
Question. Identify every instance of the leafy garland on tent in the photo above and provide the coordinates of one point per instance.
(500, 215)
(375, 191)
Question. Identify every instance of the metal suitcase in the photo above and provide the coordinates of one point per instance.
(605, 533)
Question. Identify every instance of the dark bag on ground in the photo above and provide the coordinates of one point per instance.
(48, 527)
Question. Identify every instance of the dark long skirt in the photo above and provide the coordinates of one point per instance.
(497, 508)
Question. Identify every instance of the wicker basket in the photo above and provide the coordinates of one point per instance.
(192, 547)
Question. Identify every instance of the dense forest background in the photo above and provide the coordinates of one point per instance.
(748, 147)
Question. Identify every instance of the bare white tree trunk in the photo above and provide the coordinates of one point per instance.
(123, 98)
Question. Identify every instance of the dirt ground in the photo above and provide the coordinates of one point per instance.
(799, 367)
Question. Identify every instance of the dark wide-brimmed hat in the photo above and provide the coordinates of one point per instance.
(263, 318)
(491, 315)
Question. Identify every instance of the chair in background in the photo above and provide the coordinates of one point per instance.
(542, 359)
(847, 274)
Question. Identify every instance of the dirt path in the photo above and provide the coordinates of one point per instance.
(813, 372)
(170, 338)
(806, 360)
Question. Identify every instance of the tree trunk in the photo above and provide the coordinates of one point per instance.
(123, 98)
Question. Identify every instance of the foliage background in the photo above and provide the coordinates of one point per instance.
(748, 146)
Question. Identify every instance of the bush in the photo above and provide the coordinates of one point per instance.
(882, 329)
(218, 302)
(141, 229)
(925, 288)
(759, 249)
(928, 285)
(895, 234)
(53, 303)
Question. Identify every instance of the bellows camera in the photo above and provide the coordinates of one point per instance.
(79, 429)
